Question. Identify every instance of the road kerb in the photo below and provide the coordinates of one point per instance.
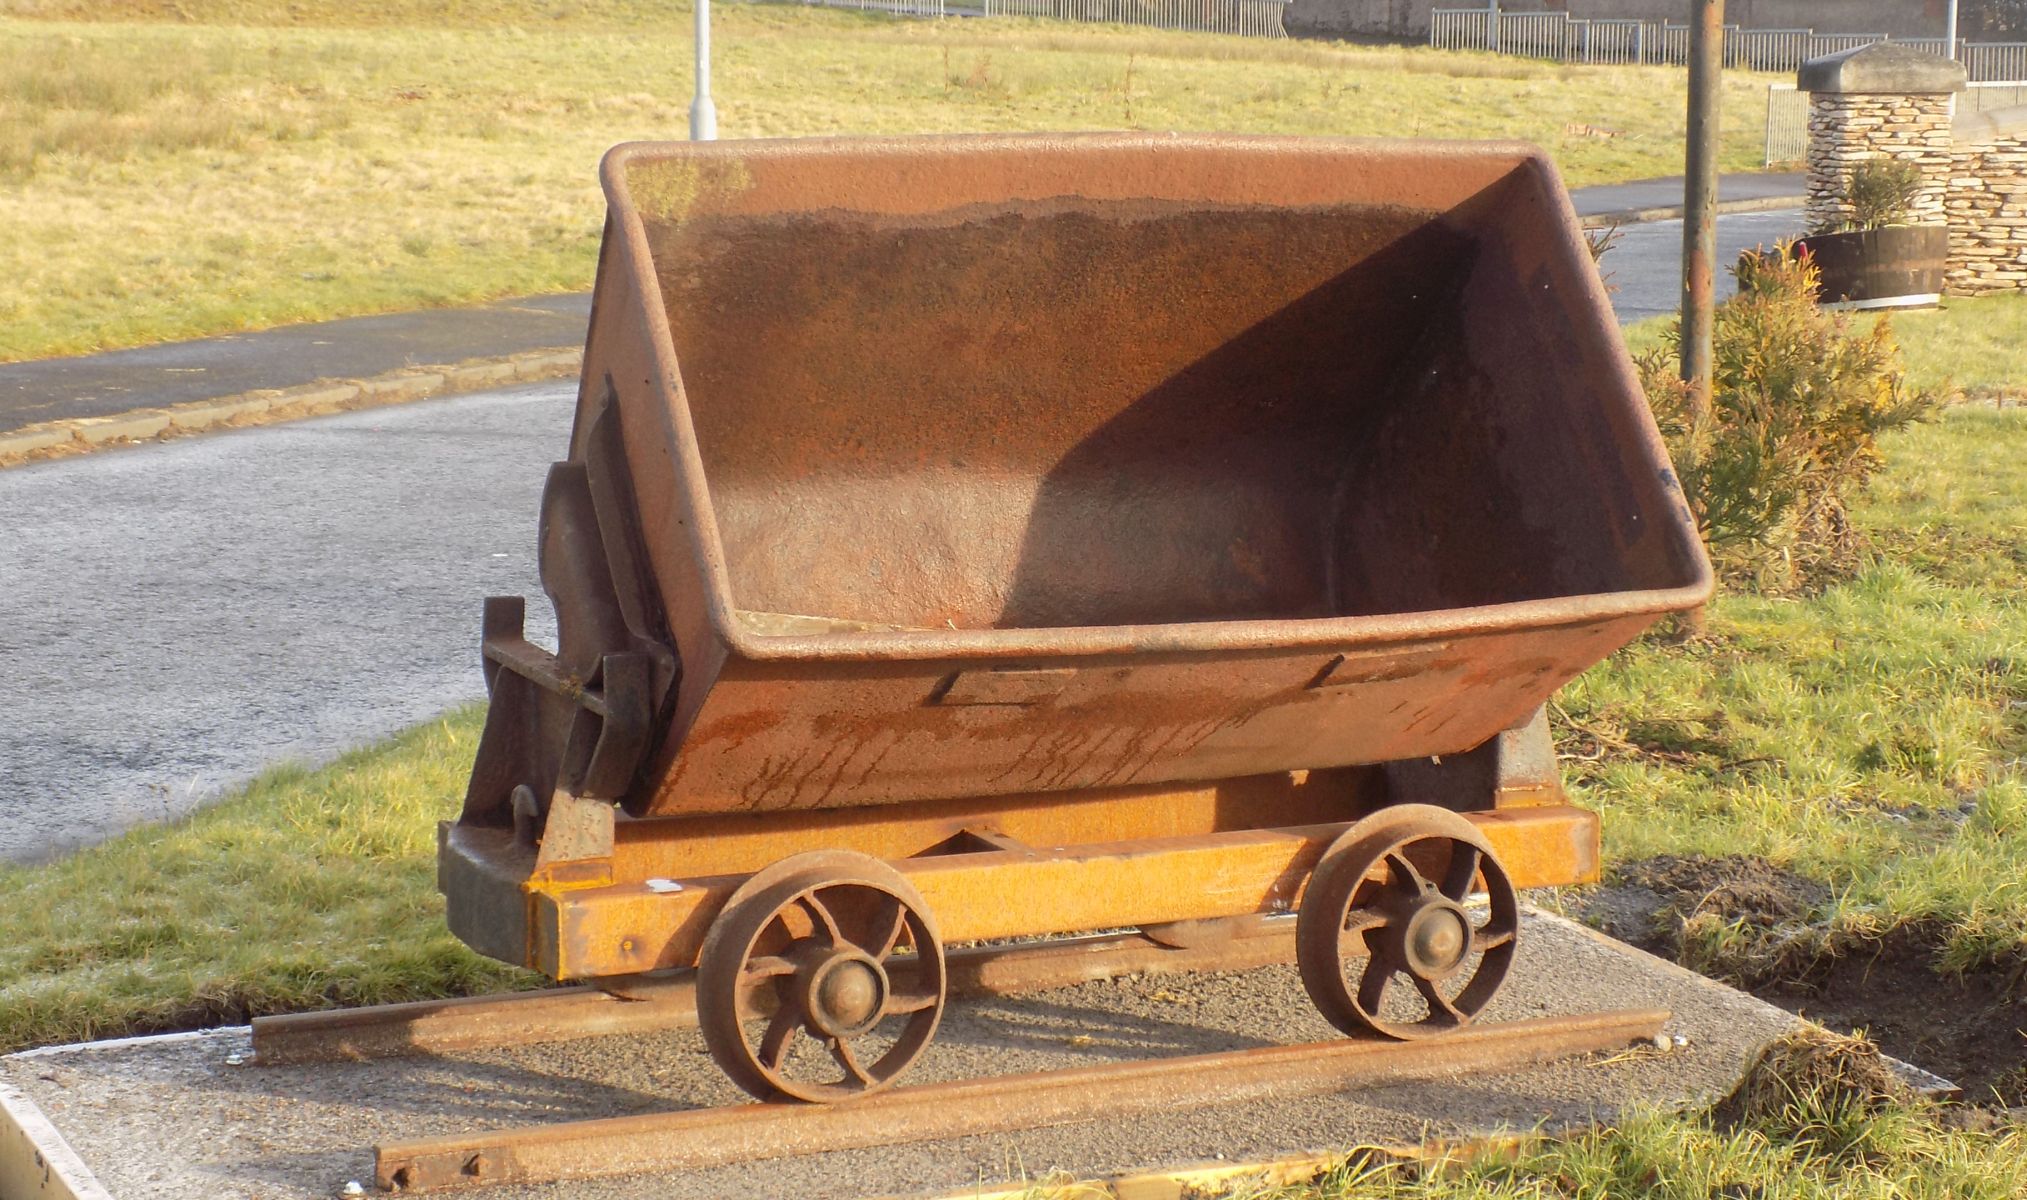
(1673, 212)
(36, 439)
(59, 439)
(136, 426)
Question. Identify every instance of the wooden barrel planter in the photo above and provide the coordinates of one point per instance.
(1900, 266)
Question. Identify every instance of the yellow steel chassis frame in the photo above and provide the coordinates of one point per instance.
(610, 896)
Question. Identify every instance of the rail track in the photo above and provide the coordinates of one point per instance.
(711, 1137)
(708, 1137)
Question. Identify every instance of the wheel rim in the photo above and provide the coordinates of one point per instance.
(1385, 940)
(822, 979)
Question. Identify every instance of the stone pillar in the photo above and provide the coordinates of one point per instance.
(1987, 204)
(1882, 100)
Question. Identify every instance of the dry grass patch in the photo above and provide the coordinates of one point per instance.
(200, 167)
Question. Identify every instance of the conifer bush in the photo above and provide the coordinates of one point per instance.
(1799, 399)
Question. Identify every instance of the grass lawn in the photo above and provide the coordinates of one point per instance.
(174, 170)
(1972, 343)
(1872, 737)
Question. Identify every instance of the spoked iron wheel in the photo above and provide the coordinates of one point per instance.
(821, 980)
(1384, 939)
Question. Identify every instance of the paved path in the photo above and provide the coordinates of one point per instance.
(176, 616)
(102, 385)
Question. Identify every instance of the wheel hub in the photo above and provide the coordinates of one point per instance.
(845, 994)
(1435, 938)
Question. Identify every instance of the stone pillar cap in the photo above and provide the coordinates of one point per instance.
(1882, 67)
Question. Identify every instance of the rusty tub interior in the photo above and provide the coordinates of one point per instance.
(1073, 490)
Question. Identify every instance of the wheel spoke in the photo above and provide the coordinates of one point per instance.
(1439, 1004)
(1357, 923)
(780, 1033)
(1405, 874)
(794, 923)
(892, 935)
(842, 1051)
(1372, 988)
(901, 1003)
(826, 924)
(763, 967)
(1363, 920)
(1487, 938)
(1463, 870)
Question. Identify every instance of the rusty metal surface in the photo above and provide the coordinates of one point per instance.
(1387, 904)
(669, 1001)
(999, 465)
(716, 1136)
(829, 951)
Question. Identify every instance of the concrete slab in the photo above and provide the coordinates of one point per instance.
(191, 1115)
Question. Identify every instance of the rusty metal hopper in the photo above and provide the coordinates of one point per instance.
(913, 469)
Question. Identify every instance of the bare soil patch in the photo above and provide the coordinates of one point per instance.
(1970, 1027)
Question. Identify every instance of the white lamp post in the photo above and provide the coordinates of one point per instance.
(1950, 30)
(703, 113)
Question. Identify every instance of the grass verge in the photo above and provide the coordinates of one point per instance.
(309, 889)
(237, 164)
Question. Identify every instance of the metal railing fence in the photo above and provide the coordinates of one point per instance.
(906, 8)
(1788, 114)
(1787, 124)
(1562, 38)
(1996, 61)
(1244, 18)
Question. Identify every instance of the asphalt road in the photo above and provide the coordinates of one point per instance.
(1644, 266)
(177, 616)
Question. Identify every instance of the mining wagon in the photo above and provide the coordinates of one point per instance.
(1000, 538)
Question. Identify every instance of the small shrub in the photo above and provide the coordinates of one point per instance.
(1882, 192)
(1799, 398)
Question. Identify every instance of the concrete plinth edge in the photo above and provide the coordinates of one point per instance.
(35, 1161)
(59, 439)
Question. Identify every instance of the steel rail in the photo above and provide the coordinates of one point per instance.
(711, 1137)
(646, 1004)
